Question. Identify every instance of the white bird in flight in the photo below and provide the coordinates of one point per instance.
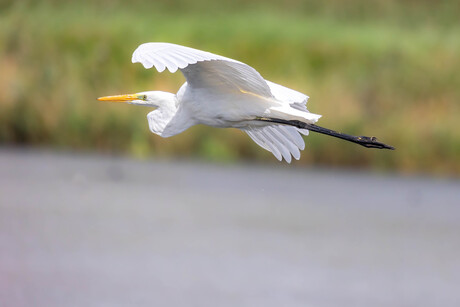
(222, 92)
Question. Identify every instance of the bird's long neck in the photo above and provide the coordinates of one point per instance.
(169, 118)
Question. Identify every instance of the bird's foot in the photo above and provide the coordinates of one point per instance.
(372, 142)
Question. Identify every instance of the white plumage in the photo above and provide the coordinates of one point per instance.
(221, 92)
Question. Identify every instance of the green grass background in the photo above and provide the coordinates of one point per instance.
(383, 68)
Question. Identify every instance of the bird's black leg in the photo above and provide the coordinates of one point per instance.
(366, 141)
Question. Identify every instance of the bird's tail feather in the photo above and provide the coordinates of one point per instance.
(289, 114)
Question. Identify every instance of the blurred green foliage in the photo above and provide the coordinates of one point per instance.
(384, 68)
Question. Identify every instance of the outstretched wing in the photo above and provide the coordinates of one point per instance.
(202, 69)
(282, 141)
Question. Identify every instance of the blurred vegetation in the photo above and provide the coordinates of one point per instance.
(386, 68)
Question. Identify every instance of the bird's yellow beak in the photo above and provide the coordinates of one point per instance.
(120, 98)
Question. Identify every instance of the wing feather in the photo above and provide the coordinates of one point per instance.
(296, 99)
(258, 139)
(264, 142)
(282, 141)
(293, 135)
(278, 143)
(285, 141)
(274, 144)
(169, 62)
(202, 69)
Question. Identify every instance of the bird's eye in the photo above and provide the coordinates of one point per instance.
(142, 97)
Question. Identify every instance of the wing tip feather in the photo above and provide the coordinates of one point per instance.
(279, 141)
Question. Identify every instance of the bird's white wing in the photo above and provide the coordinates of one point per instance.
(282, 141)
(202, 69)
(296, 99)
(172, 57)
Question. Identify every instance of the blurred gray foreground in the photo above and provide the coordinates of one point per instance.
(103, 231)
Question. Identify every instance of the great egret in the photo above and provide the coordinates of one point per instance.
(223, 92)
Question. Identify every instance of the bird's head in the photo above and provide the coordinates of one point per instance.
(155, 99)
